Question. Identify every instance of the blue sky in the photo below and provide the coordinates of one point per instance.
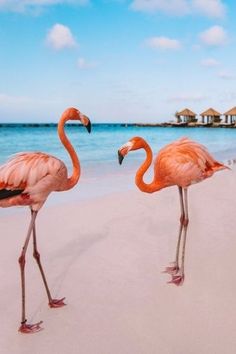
(117, 61)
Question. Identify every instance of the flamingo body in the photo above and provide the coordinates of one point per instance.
(36, 175)
(184, 162)
(181, 163)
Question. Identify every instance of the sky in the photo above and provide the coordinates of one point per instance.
(116, 60)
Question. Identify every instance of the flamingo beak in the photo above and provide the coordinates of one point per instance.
(120, 157)
(88, 126)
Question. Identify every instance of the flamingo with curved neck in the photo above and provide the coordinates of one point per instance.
(74, 178)
(181, 163)
(27, 179)
(155, 185)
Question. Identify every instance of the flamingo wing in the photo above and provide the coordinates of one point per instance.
(25, 170)
(6, 193)
(185, 162)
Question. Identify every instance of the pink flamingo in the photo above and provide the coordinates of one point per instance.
(181, 163)
(27, 179)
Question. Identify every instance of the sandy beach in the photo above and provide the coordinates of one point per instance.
(106, 255)
(95, 95)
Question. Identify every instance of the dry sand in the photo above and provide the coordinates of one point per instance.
(106, 255)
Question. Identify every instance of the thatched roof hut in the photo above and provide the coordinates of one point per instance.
(231, 114)
(186, 116)
(211, 115)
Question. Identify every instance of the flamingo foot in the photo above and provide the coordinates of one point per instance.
(177, 279)
(30, 328)
(55, 303)
(173, 269)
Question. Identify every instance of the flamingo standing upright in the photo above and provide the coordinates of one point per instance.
(181, 163)
(27, 179)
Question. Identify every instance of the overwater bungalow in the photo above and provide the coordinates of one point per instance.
(186, 116)
(230, 116)
(210, 116)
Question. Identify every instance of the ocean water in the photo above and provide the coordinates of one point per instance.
(100, 171)
(101, 145)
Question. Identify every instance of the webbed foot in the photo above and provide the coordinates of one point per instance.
(177, 279)
(172, 269)
(55, 303)
(30, 328)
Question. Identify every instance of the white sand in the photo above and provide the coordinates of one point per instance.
(106, 256)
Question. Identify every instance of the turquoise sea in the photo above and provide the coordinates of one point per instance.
(98, 151)
(101, 145)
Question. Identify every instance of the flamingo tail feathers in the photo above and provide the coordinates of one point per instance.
(6, 193)
(220, 166)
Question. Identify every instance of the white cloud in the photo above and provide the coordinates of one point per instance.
(163, 43)
(34, 108)
(211, 8)
(187, 97)
(15, 100)
(170, 6)
(84, 64)
(209, 62)
(25, 108)
(214, 36)
(60, 37)
(226, 75)
(24, 5)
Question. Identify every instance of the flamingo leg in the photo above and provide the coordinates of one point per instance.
(178, 277)
(186, 221)
(174, 267)
(27, 328)
(53, 303)
(182, 216)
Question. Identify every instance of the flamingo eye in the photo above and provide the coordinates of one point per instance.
(126, 148)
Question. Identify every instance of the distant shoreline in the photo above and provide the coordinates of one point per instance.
(125, 125)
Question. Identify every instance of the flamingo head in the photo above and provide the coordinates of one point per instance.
(74, 114)
(86, 122)
(133, 144)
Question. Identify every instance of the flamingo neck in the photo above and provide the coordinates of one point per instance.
(73, 179)
(146, 187)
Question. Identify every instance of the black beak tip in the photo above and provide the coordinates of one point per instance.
(120, 157)
(89, 127)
